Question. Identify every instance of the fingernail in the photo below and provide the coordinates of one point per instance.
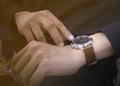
(70, 37)
(61, 44)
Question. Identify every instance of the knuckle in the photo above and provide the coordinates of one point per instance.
(45, 11)
(49, 25)
(42, 54)
(33, 44)
(59, 24)
(37, 16)
(31, 21)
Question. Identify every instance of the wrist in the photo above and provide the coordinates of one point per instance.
(102, 46)
(78, 56)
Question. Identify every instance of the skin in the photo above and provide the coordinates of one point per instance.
(34, 25)
(47, 59)
(51, 60)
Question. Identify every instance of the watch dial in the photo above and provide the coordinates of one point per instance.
(81, 39)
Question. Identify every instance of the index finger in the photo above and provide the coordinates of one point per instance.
(61, 27)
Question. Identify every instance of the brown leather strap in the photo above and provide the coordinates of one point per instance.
(89, 54)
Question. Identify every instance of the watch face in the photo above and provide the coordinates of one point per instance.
(82, 41)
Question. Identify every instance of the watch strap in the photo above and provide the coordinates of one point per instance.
(89, 55)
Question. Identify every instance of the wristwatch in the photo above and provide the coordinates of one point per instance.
(85, 43)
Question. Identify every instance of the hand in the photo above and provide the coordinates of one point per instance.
(38, 60)
(33, 25)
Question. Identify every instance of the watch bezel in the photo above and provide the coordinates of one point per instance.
(76, 42)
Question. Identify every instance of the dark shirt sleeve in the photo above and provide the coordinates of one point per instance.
(113, 34)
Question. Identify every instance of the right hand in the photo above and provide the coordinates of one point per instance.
(33, 25)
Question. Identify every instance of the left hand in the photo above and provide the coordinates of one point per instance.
(38, 60)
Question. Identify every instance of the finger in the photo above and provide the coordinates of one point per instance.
(16, 59)
(56, 36)
(36, 29)
(61, 27)
(20, 65)
(38, 76)
(20, 54)
(26, 57)
(28, 34)
(65, 32)
(28, 70)
(22, 62)
(50, 27)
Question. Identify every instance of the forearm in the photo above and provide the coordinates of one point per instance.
(102, 46)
